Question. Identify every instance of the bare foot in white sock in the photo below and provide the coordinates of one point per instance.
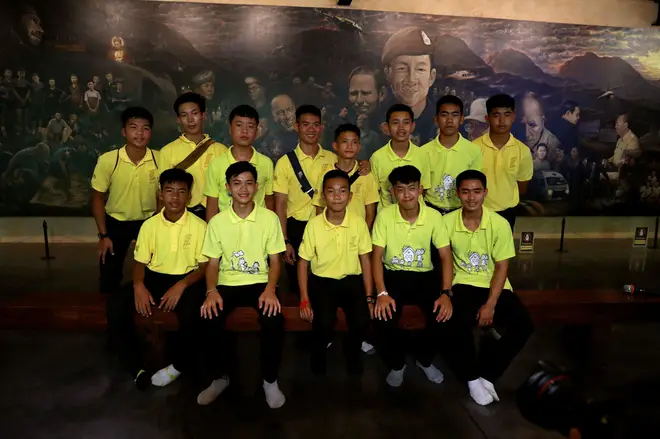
(274, 396)
(395, 377)
(490, 387)
(165, 376)
(208, 395)
(479, 393)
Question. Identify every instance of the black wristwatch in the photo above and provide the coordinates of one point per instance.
(102, 235)
(287, 242)
(371, 300)
(449, 293)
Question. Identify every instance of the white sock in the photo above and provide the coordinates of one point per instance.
(368, 348)
(479, 393)
(395, 377)
(165, 376)
(490, 387)
(328, 346)
(432, 373)
(274, 396)
(208, 395)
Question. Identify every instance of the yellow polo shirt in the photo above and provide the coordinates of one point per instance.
(174, 152)
(446, 164)
(132, 189)
(299, 204)
(364, 190)
(243, 245)
(475, 253)
(334, 250)
(216, 180)
(384, 160)
(408, 246)
(504, 168)
(171, 248)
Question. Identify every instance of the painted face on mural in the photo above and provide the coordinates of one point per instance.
(411, 77)
(363, 93)
(207, 90)
(284, 111)
(534, 126)
(573, 117)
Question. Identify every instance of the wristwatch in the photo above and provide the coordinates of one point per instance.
(287, 242)
(449, 293)
(102, 235)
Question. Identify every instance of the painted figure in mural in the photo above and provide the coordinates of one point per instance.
(57, 130)
(24, 172)
(536, 132)
(407, 60)
(21, 101)
(627, 145)
(475, 123)
(365, 90)
(74, 96)
(204, 84)
(6, 99)
(370, 140)
(258, 96)
(566, 127)
(53, 98)
(283, 111)
(36, 102)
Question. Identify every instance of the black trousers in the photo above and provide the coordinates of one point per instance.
(494, 355)
(410, 288)
(509, 215)
(120, 311)
(218, 344)
(435, 257)
(325, 296)
(199, 211)
(294, 233)
(121, 233)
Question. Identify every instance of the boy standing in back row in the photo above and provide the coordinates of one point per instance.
(243, 123)
(193, 151)
(507, 162)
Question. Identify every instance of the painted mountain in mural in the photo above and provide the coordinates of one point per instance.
(609, 73)
(454, 54)
(517, 63)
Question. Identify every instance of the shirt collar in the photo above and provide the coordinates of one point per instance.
(187, 141)
(489, 143)
(421, 218)
(458, 146)
(392, 155)
(355, 167)
(148, 157)
(180, 222)
(252, 217)
(232, 159)
(302, 156)
(329, 226)
(485, 220)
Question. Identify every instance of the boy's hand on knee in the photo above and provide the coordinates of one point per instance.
(143, 300)
(486, 314)
(269, 304)
(306, 312)
(443, 307)
(172, 297)
(385, 305)
(211, 305)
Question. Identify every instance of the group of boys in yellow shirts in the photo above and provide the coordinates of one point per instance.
(429, 226)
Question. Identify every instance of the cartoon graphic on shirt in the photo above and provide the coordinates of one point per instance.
(476, 263)
(447, 189)
(409, 255)
(242, 264)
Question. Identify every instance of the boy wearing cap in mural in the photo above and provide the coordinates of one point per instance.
(482, 245)
(193, 151)
(408, 66)
(507, 162)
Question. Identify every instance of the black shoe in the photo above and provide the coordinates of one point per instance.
(142, 380)
(318, 365)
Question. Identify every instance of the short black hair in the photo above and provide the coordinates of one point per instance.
(189, 96)
(500, 101)
(396, 108)
(176, 175)
(308, 109)
(449, 99)
(471, 174)
(238, 168)
(405, 174)
(136, 113)
(346, 127)
(244, 110)
(568, 107)
(335, 173)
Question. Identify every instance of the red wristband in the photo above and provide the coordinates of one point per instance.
(303, 303)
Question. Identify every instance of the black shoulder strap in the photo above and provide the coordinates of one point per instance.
(116, 163)
(153, 157)
(353, 178)
(300, 175)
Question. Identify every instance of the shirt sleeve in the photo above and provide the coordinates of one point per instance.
(101, 176)
(371, 195)
(364, 243)
(425, 169)
(275, 243)
(306, 249)
(200, 242)
(280, 176)
(440, 237)
(526, 168)
(212, 247)
(212, 180)
(477, 160)
(269, 176)
(165, 159)
(144, 244)
(379, 232)
(318, 200)
(503, 246)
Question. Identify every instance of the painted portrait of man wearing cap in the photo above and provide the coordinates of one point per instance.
(408, 66)
(475, 124)
(204, 84)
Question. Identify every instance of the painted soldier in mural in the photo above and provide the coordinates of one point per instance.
(408, 66)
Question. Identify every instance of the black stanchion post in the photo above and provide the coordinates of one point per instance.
(655, 232)
(47, 257)
(561, 238)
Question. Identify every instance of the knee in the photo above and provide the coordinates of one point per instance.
(272, 323)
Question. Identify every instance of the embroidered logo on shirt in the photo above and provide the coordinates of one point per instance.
(408, 256)
(476, 263)
(513, 162)
(445, 191)
(152, 176)
(352, 245)
(186, 241)
(238, 263)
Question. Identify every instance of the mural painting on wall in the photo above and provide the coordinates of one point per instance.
(70, 67)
